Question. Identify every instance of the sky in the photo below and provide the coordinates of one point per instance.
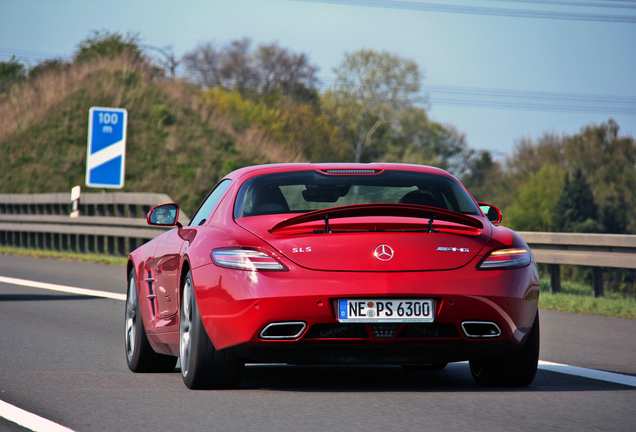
(492, 68)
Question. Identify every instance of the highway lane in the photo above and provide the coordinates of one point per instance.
(62, 358)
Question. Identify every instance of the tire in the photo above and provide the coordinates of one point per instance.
(140, 356)
(514, 369)
(202, 366)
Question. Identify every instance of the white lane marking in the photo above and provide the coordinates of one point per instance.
(62, 288)
(627, 380)
(29, 420)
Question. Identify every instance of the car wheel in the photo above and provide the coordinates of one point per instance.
(202, 366)
(514, 369)
(139, 354)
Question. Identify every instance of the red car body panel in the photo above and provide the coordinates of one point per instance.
(236, 305)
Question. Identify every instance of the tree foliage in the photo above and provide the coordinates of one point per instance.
(597, 156)
(47, 66)
(104, 44)
(576, 209)
(371, 88)
(11, 72)
(483, 176)
(294, 125)
(265, 71)
(414, 138)
(536, 201)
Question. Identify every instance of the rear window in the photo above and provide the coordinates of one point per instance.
(305, 191)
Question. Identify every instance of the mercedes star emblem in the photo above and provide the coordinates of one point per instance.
(383, 252)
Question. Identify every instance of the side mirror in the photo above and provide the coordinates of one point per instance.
(492, 213)
(164, 215)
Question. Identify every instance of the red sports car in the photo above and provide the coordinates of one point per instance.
(334, 264)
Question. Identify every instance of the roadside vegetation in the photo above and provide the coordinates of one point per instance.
(579, 298)
(223, 106)
(65, 256)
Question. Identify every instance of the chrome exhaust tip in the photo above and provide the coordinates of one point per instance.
(480, 329)
(283, 330)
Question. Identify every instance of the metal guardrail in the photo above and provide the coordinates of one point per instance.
(593, 250)
(115, 223)
(110, 223)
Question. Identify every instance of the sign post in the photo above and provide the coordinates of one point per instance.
(106, 155)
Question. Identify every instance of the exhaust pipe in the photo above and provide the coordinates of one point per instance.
(283, 330)
(481, 329)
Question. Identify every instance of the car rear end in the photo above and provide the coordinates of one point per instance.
(333, 265)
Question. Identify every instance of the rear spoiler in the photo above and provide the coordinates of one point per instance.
(399, 210)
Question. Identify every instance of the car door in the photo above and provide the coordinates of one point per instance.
(166, 266)
(166, 274)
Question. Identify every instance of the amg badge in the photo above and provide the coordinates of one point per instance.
(452, 249)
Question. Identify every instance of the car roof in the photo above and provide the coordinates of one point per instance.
(255, 170)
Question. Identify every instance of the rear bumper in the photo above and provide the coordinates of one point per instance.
(236, 306)
(395, 354)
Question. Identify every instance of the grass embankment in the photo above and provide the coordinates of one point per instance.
(65, 256)
(574, 297)
(177, 143)
(579, 298)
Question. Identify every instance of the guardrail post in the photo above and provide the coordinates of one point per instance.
(555, 278)
(597, 281)
(121, 246)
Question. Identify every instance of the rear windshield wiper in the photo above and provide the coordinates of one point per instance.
(396, 210)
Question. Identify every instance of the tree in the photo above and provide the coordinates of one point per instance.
(534, 204)
(49, 65)
(371, 88)
(11, 72)
(417, 139)
(288, 73)
(169, 62)
(237, 71)
(267, 71)
(104, 44)
(483, 177)
(203, 65)
(576, 210)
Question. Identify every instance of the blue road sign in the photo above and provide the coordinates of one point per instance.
(106, 155)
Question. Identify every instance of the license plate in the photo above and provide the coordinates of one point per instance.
(393, 310)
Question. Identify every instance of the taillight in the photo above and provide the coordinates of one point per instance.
(506, 258)
(246, 259)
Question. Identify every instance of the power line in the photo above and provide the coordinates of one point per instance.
(478, 97)
(608, 4)
(6, 53)
(481, 10)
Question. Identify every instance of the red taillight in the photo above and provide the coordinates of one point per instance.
(506, 258)
(246, 259)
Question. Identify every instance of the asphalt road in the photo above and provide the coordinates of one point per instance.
(62, 358)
